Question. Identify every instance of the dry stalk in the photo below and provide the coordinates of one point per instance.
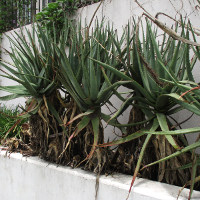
(195, 30)
(166, 29)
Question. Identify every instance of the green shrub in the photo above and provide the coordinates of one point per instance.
(10, 124)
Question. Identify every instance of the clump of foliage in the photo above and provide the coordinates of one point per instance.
(54, 13)
(39, 71)
(159, 75)
(33, 68)
(10, 125)
(90, 87)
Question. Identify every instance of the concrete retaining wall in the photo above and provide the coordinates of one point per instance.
(34, 179)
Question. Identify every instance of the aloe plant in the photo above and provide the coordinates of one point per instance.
(90, 85)
(189, 99)
(33, 68)
(156, 70)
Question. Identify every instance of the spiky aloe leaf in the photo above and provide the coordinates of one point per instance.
(164, 127)
(155, 125)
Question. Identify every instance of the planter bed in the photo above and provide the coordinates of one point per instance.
(31, 178)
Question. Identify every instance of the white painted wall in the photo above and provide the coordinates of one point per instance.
(119, 12)
(34, 179)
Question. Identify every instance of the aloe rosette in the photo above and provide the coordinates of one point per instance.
(89, 84)
(33, 69)
(156, 71)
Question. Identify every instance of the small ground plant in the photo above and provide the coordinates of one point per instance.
(8, 119)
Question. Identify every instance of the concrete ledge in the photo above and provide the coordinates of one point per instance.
(31, 178)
